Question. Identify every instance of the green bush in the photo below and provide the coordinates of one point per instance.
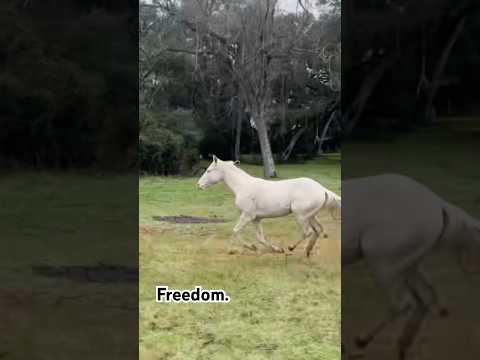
(69, 109)
(166, 151)
(159, 152)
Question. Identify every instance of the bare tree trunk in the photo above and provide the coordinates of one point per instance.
(267, 155)
(440, 67)
(366, 89)
(324, 132)
(284, 97)
(288, 150)
(238, 130)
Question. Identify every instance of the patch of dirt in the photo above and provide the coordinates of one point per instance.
(103, 273)
(146, 231)
(183, 219)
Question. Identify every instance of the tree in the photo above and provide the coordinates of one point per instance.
(247, 47)
(253, 73)
(397, 71)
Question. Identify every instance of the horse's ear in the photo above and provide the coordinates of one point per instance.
(236, 162)
(214, 158)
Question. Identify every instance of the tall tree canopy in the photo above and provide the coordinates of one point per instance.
(404, 68)
(248, 73)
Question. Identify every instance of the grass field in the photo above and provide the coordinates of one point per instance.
(281, 307)
(71, 219)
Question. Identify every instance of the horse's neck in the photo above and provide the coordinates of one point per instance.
(237, 180)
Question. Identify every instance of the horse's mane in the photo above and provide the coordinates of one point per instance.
(237, 169)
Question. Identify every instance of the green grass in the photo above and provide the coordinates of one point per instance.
(65, 219)
(444, 157)
(281, 308)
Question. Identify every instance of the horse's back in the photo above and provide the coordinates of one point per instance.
(307, 185)
(290, 186)
(391, 198)
(388, 212)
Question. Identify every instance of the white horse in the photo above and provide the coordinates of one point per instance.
(393, 222)
(258, 199)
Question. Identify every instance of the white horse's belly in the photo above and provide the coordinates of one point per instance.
(273, 208)
(262, 214)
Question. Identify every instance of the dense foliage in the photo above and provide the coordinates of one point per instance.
(412, 62)
(69, 84)
(197, 59)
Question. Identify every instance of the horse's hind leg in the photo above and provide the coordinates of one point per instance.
(261, 238)
(426, 297)
(318, 227)
(307, 232)
(405, 298)
(311, 243)
(418, 314)
(318, 230)
(427, 292)
(400, 299)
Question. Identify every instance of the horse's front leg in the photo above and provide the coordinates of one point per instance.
(261, 238)
(245, 218)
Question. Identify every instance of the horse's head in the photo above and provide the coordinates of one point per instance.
(213, 174)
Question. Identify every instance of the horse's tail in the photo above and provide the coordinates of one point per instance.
(333, 202)
(337, 201)
(454, 218)
(335, 206)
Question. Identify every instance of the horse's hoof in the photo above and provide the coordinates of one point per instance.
(443, 313)
(325, 236)
(291, 248)
(232, 252)
(250, 247)
(360, 342)
(277, 249)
